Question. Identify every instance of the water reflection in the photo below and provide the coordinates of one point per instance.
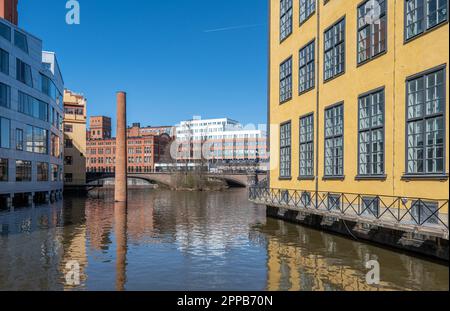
(304, 259)
(120, 222)
(166, 240)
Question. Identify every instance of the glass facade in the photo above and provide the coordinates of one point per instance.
(5, 95)
(36, 140)
(5, 31)
(5, 133)
(4, 62)
(23, 73)
(55, 173)
(3, 170)
(33, 107)
(42, 171)
(20, 40)
(49, 88)
(31, 114)
(19, 139)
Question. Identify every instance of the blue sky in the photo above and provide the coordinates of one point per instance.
(175, 59)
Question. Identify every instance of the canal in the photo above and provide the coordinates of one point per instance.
(169, 240)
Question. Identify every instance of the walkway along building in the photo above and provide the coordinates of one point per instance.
(74, 139)
(358, 107)
(31, 112)
(146, 147)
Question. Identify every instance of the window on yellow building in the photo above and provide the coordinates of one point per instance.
(334, 141)
(370, 206)
(423, 15)
(372, 29)
(334, 202)
(425, 212)
(286, 80)
(307, 8)
(371, 134)
(307, 146)
(426, 123)
(285, 150)
(334, 57)
(285, 19)
(307, 68)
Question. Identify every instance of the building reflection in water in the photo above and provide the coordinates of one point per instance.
(309, 260)
(165, 240)
(74, 240)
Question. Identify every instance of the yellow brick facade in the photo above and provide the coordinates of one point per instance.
(389, 70)
(74, 131)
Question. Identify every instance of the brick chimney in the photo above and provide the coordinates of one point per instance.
(8, 10)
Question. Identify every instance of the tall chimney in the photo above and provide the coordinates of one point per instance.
(121, 149)
(8, 11)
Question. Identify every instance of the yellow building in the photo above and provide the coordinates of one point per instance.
(358, 99)
(74, 139)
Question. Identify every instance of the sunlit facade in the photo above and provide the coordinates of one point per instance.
(74, 139)
(359, 98)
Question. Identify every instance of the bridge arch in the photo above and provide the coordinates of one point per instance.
(163, 179)
(168, 179)
(231, 181)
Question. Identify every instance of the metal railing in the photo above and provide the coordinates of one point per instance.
(381, 210)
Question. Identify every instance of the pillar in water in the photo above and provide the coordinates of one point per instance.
(121, 149)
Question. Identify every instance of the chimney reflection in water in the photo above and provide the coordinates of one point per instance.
(120, 222)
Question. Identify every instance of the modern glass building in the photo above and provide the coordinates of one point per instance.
(31, 115)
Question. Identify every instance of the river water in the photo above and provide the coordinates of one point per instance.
(166, 240)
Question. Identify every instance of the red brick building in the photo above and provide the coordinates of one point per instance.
(146, 146)
(8, 10)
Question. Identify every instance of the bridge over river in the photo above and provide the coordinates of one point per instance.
(170, 179)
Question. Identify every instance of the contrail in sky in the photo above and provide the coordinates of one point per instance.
(233, 28)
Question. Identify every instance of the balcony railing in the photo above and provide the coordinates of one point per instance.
(417, 215)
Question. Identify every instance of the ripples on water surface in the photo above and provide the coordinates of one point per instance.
(169, 240)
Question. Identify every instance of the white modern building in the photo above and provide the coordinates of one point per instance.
(221, 142)
(31, 115)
